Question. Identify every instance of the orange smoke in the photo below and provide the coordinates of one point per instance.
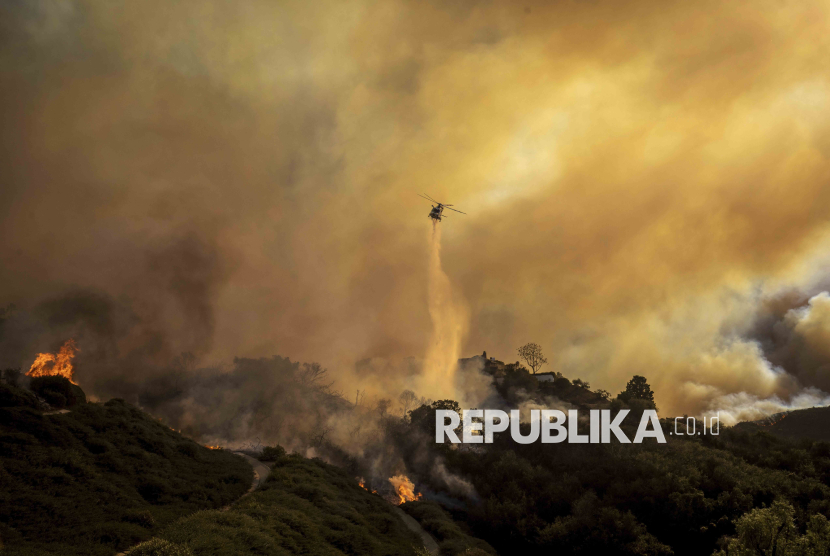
(60, 364)
(404, 488)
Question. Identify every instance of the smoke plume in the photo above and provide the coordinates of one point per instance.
(644, 192)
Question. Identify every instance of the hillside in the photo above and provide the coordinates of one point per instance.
(688, 496)
(812, 423)
(101, 477)
(107, 476)
(305, 507)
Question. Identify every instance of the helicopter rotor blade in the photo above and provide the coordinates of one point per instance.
(427, 198)
(445, 206)
(431, 199)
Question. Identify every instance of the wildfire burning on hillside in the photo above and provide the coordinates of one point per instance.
(404, 489)
(362, 482)
(55, 364)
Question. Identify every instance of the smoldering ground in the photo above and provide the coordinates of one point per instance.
(638, 184)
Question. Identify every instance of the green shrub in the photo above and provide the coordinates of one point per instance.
(140, 517)
(10, 396)
(272, 453)
(85, 483)
(190, 449)
(452, 540)
(561, 382)
(305, 507)
(118, 534)
(57, 391)
(159, 547)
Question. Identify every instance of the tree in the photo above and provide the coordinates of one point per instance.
(272, 453)
(311, 374)
(424, 416)
(358, 399)
(637, 388)
(532, 355)
(773, 531)
(561, 383)
(407, 399)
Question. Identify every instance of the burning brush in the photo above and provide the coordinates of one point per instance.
(404, 489)
(362, 482)
(55, 364)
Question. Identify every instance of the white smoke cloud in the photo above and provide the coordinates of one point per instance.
(742, 406)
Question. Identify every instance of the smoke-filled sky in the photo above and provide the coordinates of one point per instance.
(647, 184)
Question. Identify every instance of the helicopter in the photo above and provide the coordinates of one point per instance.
(438, 209)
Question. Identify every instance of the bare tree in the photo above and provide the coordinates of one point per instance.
(312, 373)
(532, 355)
(317, 440)
(407, 400)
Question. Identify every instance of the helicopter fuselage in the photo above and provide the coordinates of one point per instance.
(436, 212)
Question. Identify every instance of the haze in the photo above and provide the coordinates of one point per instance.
(647, 185)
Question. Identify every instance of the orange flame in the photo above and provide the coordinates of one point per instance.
(404, 488)
(60, 364)
(362, 483)
(213, 447)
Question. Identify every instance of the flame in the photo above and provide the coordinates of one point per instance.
(59, 364)
(362, 483)
(404, 488)
(213, 447)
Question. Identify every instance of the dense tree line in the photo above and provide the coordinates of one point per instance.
(692, 495)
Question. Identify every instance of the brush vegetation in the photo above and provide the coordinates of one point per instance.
(305, 507)
(743, 492)
(453, 538)
(811, 424)
(101, 477)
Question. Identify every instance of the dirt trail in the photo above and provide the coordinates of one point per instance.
(261, 471)
(415, 527)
